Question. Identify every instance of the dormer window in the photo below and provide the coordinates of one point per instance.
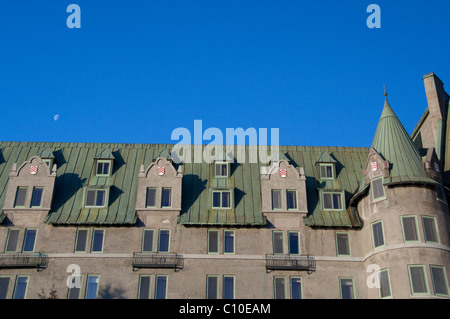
(377, 189)
(221, 199)
(48, 161)
(326, 171)
(221, 169)
(95, 198)
(103, 168)
(332, 201)
(21, 196)
(36, 197)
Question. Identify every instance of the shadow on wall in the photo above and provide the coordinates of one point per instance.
(109, 292)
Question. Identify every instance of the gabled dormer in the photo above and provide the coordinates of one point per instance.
(325, 166)
(103, 163)
(47, 157)
(375, 172)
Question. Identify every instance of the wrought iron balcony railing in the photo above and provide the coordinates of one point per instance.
(291, 262)
(24, 260)
(162, 260)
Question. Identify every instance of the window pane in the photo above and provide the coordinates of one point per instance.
(296, 288)
(377, 188)
(226, 196)
(166, 198)
(216, 199)
(280, 292)
(228, 287)
(20, 197)
(92, 287)
(346, 288)
(151, 197)
(144, 287)
(164, 239)
(29, 240)
(337, 204)
(439, 280)
(105, 168)
(13, 240)
(81, 240)
(211, 287)
(97, 240)
(229, 242)
(99, 168)
(147, 240)
(409, 228)
(291, 199)
(276, 199)
(342, 244)
(418, 280)
(377, 231)
(4, 285)
(90, 198)
(21, 287)
(385, 288)
(161, 287)
(36, 197)
(429, 229)
(293, 243)
(224, 169)
(278, 243)
(213, 241)
(327, 201)
(74, 292)
(100, 202)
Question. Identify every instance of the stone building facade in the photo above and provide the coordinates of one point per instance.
(90, 220)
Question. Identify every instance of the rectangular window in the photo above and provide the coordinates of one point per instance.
(36, 197)
(147, 240)
(161, 287)
(21, 196)
(95, 198)
(20, 289)
(151, 197)
(212, 287)
(332, 201)
(164, 241)
(294, 243)
(377, 234)
(385, 285)
(221, 170)
(276, 199)
(418, 279)
(29, 240)
(326, 171)
(342, 244)
(103, 168)
(228, 245)
(74, 289)
(409, 225)
(429, 229)
(4, 287)
(166, 197)
(221, 199)
(279, 286)
(81, 240)
(213, 241)
(439, 279)
(228, 287)
(92, 286)
(12, 240)
(377, 189)
(97, 240)
(278, 242)
(291, 199)
(144, 287)
(296, 288)
(346, 287)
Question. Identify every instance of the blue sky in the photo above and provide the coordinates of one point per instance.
(137, 70)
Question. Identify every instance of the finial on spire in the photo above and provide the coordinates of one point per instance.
(385, 94)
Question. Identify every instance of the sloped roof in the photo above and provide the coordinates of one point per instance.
(75, 163)
(394, 144)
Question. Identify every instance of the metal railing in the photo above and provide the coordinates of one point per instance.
(37, 260)
(162, 260)
(291, 262)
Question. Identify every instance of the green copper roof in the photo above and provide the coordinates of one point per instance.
(394, 144)
(75, 165)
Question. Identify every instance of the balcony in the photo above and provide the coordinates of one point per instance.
(24, 260)
(291, 262)
(170, 260)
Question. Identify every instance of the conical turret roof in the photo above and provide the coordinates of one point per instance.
(394, 144)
